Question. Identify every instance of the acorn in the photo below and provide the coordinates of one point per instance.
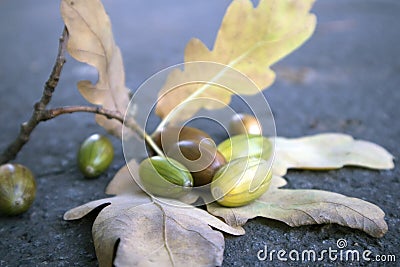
(165, 177)
(202, 159)
(241, 181)
(244, 124)
(246, 146)
(95, 155)
(171, 135)
(17, 189)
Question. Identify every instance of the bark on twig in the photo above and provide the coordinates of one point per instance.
(109, 114)
(27, 127)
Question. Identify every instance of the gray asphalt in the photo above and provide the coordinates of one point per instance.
(345, 79)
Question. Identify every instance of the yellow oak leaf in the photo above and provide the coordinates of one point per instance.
(249, 40)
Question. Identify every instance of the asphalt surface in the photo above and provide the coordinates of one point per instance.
(344, 79)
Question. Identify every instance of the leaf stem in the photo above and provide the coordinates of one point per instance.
(198, 92)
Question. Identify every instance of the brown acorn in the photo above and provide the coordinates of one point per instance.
(244, 124)
(171, 135)
(202, 159)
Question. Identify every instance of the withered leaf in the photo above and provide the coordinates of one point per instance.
(249, 40)
(91, 41)
(152, 232)
(328, 151)
(297, 207)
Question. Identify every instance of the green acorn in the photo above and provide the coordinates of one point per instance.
(95, 155)
(241, 181)
(165, 177)
(17, 189)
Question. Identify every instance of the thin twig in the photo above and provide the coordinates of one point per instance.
(55, 112)
(110, 114)
(27, 127)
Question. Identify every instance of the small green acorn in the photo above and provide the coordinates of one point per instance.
(17, 189)
(165, 177)
(95, 155)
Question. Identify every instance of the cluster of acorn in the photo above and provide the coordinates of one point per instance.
(236, 171)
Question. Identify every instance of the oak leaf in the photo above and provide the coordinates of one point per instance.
(249, 40)
(91, 41)
(297, 207)
(152, 232)
(328, 151)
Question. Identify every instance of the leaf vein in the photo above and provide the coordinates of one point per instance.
(190, 230)
(170, 254)
(333, 203)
